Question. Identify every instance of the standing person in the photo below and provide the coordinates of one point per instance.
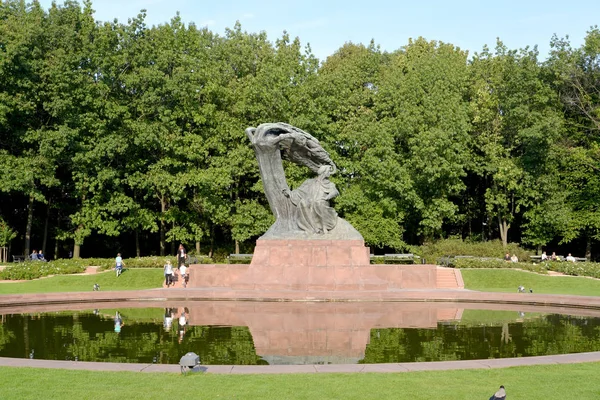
(181, 255)
(183, 274)
(118, 322)
(119, 264)
(168, 273)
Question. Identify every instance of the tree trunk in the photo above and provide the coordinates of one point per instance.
(45, 240)
(76, 250)
(137, 243)
(212, 240)
(163, 208)
(56, 239)
(77, 246)
(29, 225)
(539, 250)
(588, 248)
(197, 247)
(504, 227)
(173, 242)
(237, 247)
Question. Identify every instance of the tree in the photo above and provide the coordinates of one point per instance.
(515, 126)
(575, 74)
(422, 104)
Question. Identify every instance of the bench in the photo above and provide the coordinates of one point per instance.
(196, 259)
(539, 258)
(579, 259)
(449, 260)
(397, 258)
(19, 259)
(241, 258)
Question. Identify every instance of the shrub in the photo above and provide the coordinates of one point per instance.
(432, 252)
(38, 269)
(479, 263)
(576, 269)
(156, 261)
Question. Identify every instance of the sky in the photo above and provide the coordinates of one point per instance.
(327, 24)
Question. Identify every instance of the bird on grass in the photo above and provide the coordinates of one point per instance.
(96, 287)
(500, 394)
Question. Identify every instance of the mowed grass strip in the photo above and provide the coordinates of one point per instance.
(508, 280)
(131, 279)
(570, 381)
(487, 280)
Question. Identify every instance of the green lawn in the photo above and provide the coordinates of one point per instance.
(508, 280)
(574, 381)
(131, 279)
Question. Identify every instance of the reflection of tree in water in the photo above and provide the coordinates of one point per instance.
(89, 337)
(552, 334)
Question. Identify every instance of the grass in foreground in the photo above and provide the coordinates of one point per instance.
(573, 381)
(508, 280)
(131, 279)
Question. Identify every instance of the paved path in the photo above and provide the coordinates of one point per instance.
(308, 369)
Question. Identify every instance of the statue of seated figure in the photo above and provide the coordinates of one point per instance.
(311, 199)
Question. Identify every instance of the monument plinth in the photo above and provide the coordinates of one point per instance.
(309, 247)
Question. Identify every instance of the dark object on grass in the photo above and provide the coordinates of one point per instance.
(96, 287)
(500, 394)
(530, 290)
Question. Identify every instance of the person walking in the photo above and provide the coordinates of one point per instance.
(181, 255)
(183, 274)
(119, 264)
(168, 273)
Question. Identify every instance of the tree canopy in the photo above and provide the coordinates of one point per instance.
(118, 136)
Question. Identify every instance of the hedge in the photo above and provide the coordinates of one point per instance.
(37, 269)
(478, 263)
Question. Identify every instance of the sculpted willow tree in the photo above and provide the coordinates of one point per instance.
(304, 213)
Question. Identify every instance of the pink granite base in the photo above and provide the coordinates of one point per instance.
(313, 265)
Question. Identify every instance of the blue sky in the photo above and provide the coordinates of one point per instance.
(327, 25)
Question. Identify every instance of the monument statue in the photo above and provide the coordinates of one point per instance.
(303, 213)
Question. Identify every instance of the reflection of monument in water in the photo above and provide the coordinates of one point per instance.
(316, 333)
(309, 248)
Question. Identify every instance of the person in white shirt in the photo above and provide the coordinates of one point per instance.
(544, 256)
(514, 258)
(570, 258)
(168, 273)
(183, 274)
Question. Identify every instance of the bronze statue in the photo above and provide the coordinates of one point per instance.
(304, 212)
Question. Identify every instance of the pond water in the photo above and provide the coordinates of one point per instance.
(284, 334)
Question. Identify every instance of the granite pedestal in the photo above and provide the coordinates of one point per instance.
(313, 265)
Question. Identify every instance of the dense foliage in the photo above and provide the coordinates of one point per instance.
(131, 138)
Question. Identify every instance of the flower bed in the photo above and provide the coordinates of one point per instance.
(37, 269)
(479, 263)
